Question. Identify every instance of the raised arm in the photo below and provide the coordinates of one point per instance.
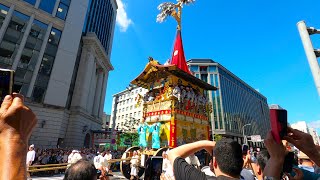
(16, 124)
(277, 154)
(304, 143)
(187, 149)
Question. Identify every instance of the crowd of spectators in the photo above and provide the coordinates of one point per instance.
(60, 155)
(228, 160)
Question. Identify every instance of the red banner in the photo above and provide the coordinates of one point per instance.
(198, 116)
(173, 134)
(155, 113)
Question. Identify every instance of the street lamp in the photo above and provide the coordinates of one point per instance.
(245, 137)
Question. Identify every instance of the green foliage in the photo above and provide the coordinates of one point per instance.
(127, 138)
(217, 137)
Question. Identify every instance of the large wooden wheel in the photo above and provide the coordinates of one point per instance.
(160, 151)
(125, 165)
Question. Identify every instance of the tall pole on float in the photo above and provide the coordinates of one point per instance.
(311, 53)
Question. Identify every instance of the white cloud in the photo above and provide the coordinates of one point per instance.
(122, 18)
(314, 124)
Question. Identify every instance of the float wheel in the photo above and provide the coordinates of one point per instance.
(125, 165)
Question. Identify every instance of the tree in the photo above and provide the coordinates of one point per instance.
(128, 138)
(217, 137)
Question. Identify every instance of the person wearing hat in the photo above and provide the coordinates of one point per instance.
(305, 162)
(30, 158)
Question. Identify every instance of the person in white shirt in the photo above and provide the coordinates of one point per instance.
(100, 163)
(166, 166)
(74, 157)
(193, 160)
(108, 157)
(134, 166)
(30, 158)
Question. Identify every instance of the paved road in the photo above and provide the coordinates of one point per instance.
(117, 175)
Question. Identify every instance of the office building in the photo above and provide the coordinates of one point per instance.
(56, 63)
(235, 103)
(125, 108)
(302, 126)
(106, 121)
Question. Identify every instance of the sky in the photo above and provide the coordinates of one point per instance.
(256, 40)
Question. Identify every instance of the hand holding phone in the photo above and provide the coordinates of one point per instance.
(278, 121)
(6, 82)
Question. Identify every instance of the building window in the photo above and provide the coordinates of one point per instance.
(12, 39)
(62, 10)
(126, 108)
(29, 56)
(3, 13)
(122, 117)
(46, 65)
(126, 115)
(194, 68)
(203, 68)
(212, 69)
(134, 114)
(47, 5)
(130, 107)
(139, 113)
(33, 2)
(204, 77)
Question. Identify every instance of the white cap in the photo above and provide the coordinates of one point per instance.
(75, 151)
(32, 146)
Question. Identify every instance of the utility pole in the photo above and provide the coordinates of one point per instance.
(312, 54)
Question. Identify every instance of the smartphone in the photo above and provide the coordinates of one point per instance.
(245, 149)
(278, 121)
(6, 82)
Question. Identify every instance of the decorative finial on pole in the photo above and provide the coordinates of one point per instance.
(174, 10)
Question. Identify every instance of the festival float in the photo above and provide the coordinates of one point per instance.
(176, 107)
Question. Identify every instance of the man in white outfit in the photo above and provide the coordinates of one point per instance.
(101, 163)
(30, 158)
(108, 157)
(134, 166)
(74, 157)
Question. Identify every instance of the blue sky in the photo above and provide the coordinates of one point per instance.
(256, 40)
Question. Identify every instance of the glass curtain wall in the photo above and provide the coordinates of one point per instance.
(47, 5)
(46, 66)
(3, 13)
(29, 56)
(12, 39)
(33, 2)
(63, 9)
